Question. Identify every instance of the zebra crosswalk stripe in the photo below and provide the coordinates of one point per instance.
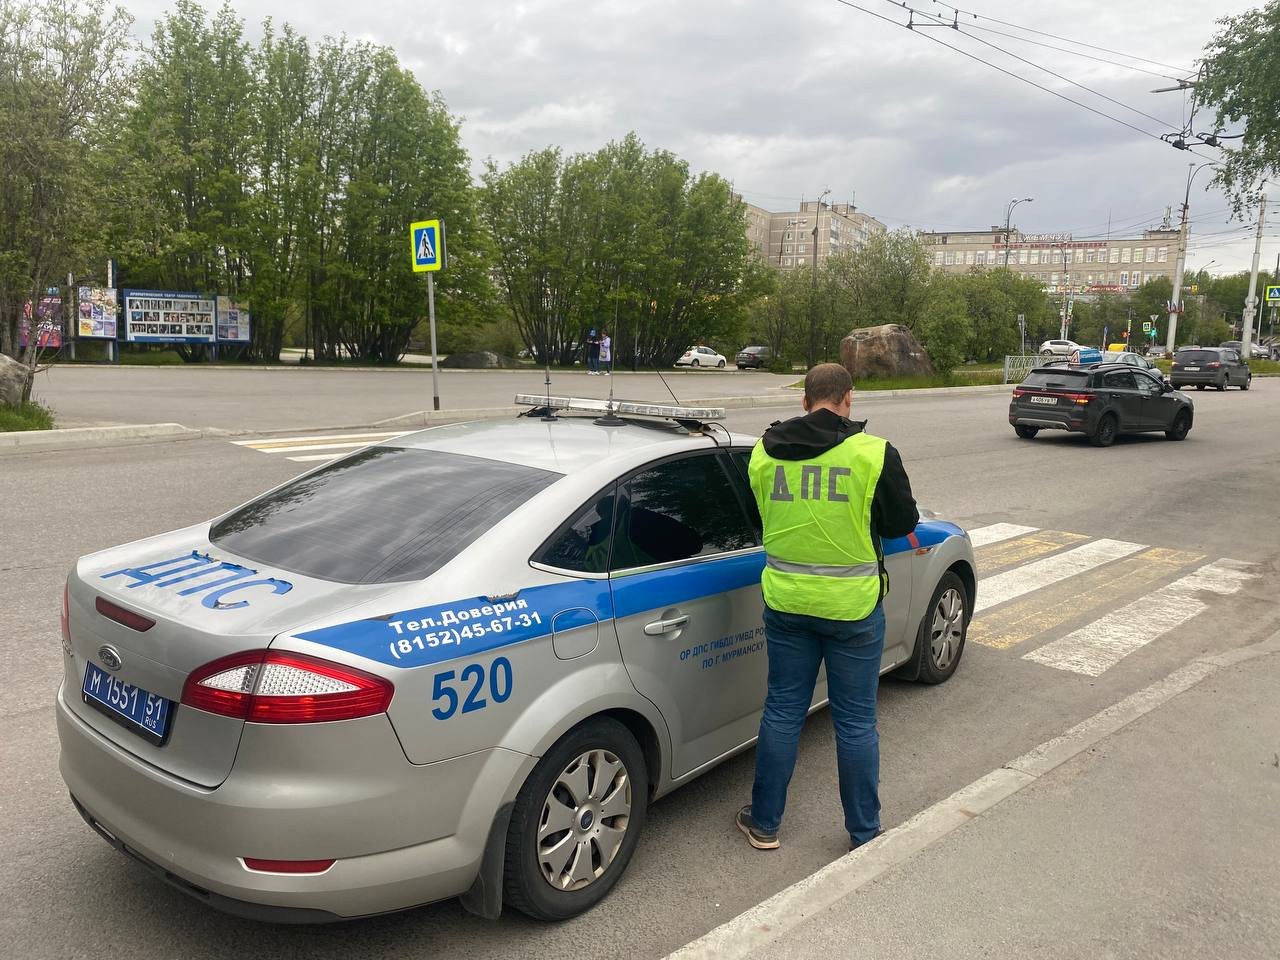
(1020, 550)
(1097, 647)
(996, 532)
(1002, 587)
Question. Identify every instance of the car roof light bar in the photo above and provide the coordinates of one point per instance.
(625, 408)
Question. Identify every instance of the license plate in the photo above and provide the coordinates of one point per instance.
(1193, 369)
(145, 713)
(1052, 400)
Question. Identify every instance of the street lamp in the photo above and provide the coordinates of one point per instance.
(813, 307)
(1008, 216)
(1175, 304)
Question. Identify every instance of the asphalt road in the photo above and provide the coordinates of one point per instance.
(66, 893)
(307, 397)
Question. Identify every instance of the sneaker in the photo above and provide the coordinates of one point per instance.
(755, 836)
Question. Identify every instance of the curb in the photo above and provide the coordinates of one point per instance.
(772, 919)
(71, 438)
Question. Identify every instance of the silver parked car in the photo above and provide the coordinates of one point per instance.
(460, 663)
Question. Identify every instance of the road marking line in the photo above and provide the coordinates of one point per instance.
(1032, 616)
(318, 456)
(272, 441)
(303, 448)
(1034, 576)
(1022, 549)
(997, 532)
(753, 930)
(1095, 648)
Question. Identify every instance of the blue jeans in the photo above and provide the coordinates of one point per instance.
(797, 644)
(593, 360)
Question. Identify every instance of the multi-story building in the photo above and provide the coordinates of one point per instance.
(1060, 262)
(785, 240)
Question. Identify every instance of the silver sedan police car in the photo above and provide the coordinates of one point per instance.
(461, 663)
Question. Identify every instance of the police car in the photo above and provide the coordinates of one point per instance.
(457, 664)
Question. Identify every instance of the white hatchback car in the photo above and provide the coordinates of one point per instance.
(1058, 348)
(701, 357)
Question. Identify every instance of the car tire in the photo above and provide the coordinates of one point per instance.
(1199, 386)
(1025, 432)
(695, 363)
(1046, 353)
(549, 891)
(942, 631)
(1221, 386)
(720, 364)
(1179, 428)
(1104, 434)
(1247, 381)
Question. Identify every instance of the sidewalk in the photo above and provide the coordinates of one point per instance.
(1160, 840)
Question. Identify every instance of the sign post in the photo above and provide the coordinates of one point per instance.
(426, 247)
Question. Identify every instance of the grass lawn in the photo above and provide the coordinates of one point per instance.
(29, 416)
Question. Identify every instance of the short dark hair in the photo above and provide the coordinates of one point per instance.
(827, 383)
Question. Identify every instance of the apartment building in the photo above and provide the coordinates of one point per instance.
(785, 240)
(1062, 263)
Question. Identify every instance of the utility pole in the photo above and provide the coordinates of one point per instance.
(1251, 304)
(813, 306)
(1065, 286)
(1175, 305)
(1008, 215)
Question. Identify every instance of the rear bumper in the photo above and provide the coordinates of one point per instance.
(402, 834)
(1182, 378)
(1050, 419)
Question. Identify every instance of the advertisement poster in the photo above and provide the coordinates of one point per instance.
(49, 323)
(233, 321)
(96, 313)
(168, 316)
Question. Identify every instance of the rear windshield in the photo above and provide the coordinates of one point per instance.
(1197, 356)
(381, 515)
(1053, 379)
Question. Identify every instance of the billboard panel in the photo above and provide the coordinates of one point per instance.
(96, 316)
(168, 316)
(49, 323)
(233, 322)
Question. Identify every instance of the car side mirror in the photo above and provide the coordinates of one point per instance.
(1167, 386)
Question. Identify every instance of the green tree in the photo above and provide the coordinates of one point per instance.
(63, 82)
(1240, 79)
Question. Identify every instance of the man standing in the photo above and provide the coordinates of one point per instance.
(827, 493)
(606, 352)
(593, 354)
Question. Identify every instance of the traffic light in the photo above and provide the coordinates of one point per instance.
(1125, 334)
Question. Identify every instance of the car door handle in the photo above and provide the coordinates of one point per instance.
(659, 627)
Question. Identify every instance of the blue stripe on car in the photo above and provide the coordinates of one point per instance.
(460, 628)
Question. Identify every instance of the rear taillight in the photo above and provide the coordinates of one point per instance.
(1080, 398)
(287, 866)
(134, 621)
(1019, 392)
(1212, 366)
(66, 621)
(270, 686)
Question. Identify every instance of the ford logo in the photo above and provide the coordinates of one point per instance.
(109, 656)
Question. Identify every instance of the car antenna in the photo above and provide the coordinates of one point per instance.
(610, 418)
(547, 413)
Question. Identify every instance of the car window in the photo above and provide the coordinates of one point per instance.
(678, 510)
(1056, 379)
(1196, 356)
(381, 515)
(1118, 380)
(739, 461)
(1148, 385)
(583, 543)
(1230, 356)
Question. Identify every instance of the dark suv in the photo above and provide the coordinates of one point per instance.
(753, 357)
(1101, 401)
(1219, 367)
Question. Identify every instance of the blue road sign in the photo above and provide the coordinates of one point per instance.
(1273, 294)
(426, 246)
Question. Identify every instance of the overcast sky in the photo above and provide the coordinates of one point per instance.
(788, 97)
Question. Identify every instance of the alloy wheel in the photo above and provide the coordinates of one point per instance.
(584, 819)
(947, 628)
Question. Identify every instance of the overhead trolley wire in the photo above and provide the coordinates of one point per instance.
(1008, 73)
(1031, 63)
(1052, 36)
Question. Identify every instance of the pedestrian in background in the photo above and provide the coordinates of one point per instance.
(593, 354)
(606, 352)
(827, 492)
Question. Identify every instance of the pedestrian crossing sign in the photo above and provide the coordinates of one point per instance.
(1273, 295)
(426, 245)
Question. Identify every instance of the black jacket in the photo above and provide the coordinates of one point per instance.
(893, 508)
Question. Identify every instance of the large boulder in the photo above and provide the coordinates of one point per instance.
(885, 351)
(478, 360)
(13, 376)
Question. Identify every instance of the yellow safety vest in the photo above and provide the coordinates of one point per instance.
(821, 557)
